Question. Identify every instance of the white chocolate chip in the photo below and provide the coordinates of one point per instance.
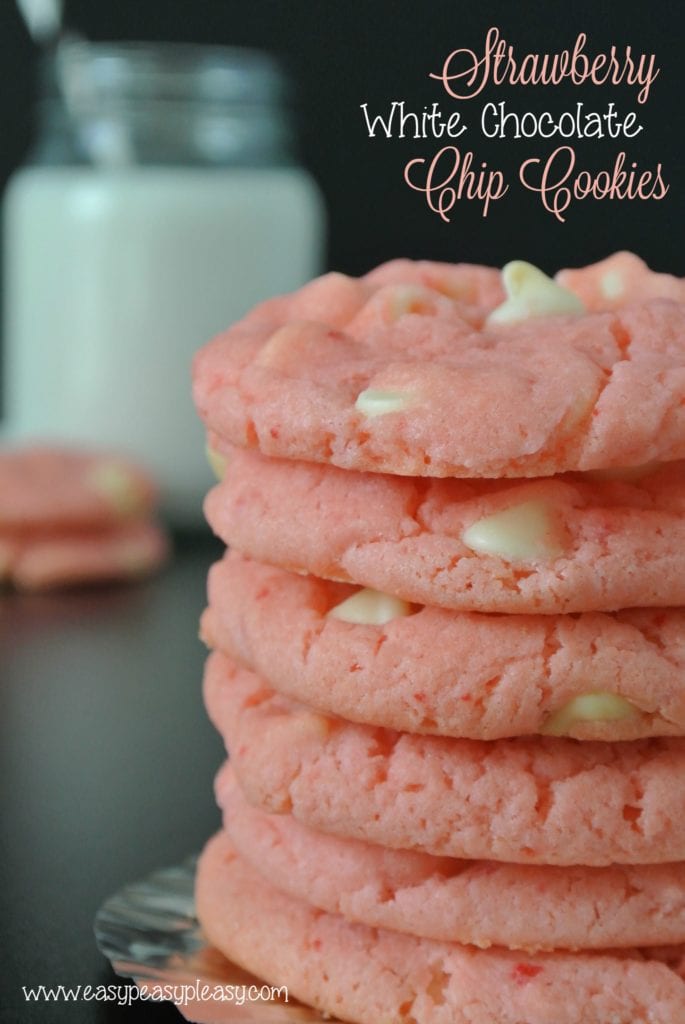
(373, 402)
(280, 346)
(612, 285)
(118, 487)
(408, 299)
(217, 461)
(531, 293)
(589, 707)
(521, 531)
(305, 724)
(370, 608)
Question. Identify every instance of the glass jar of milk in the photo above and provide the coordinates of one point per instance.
(163, 200)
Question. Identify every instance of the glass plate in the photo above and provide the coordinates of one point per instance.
(148, 931)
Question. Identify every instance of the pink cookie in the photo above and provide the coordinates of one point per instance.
(450, 673)
(52, 489)
(396, 373)
(373, 976)
(70, 517)
(566, 544)
(459, 900)
(536, 801)
(620, 279)
(119, 553)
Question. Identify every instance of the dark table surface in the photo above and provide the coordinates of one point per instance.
(106, 768)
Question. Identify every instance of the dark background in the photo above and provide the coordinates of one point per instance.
(343, 54)
(106, 759)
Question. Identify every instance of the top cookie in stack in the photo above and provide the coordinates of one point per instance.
(457, 509)
(425, 369)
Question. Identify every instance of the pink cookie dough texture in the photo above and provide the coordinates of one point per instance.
(539, 801)
(63, 560)
(541, 396)
(51, 488)
(448, 673)
(374, 976)
(609, 544)
(620, 279)
(459, 900)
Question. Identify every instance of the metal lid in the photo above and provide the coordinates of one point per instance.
(112, 73)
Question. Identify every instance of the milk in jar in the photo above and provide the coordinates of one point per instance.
(164, 203)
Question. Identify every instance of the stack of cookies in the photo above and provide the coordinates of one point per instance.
(448, 644)
(70, 517)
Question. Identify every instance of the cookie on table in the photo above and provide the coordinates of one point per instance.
(70, 517)
(374, 976)
(574, 543)
(51, 489)
(378, 660)
(457, 900)
(538, 800)
(437, 370)
(126, 552)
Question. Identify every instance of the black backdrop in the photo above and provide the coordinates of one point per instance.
(345, 53)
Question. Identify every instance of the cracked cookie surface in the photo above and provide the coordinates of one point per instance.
(448, 673)
(585, 544)
(374, 976)
(450, 395)
(538, 800)
(458, 900)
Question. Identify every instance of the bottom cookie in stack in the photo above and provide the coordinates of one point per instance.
(377, 976)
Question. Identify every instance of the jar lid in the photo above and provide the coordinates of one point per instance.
(106, 74)
(120, 104)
